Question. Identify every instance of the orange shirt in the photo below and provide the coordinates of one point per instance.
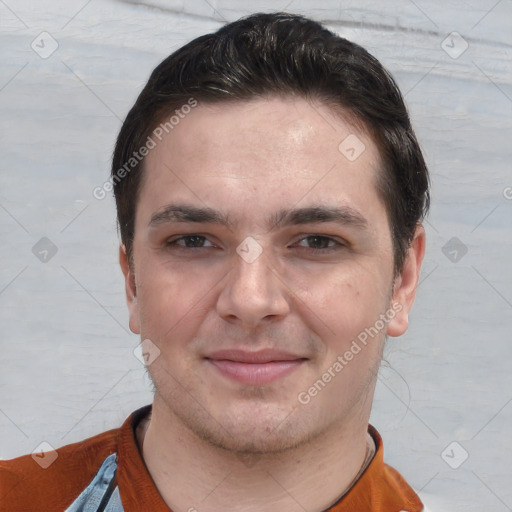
(26, 486)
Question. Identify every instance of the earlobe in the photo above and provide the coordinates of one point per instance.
(406, 284)
(130, 289)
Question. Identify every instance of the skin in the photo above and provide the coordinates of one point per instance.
(216, 444)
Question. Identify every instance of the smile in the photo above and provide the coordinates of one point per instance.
(254, 368)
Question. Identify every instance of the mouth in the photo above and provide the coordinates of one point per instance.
(254, 368)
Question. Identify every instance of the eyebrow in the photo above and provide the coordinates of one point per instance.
(344, 215)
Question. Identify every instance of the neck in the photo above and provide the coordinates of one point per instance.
(191, 474)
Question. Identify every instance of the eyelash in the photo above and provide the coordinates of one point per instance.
(338, 245)
(170, 243)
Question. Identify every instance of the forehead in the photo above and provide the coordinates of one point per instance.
(280, 149)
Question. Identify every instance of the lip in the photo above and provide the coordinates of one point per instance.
(254, 368)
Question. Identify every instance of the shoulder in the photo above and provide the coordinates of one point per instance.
(32, 483)
(397, 484)
(381, 487)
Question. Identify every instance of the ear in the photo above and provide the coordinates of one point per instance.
(130, 290)
(406, 284)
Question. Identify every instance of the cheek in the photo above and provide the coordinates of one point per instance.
(172, 301)
(340, 305)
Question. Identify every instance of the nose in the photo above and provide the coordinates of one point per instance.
(253, 293)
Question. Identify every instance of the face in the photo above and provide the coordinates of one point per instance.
(262, 257)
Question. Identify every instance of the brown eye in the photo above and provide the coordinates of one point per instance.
(189, 242)
(319, 242)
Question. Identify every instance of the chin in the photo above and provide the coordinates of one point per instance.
(247, 430)
(253, 440)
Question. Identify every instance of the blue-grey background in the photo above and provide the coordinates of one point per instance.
(67, 367)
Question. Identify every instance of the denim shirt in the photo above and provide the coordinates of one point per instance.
(102, 494)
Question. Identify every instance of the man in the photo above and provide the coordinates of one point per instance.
(270, 192)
